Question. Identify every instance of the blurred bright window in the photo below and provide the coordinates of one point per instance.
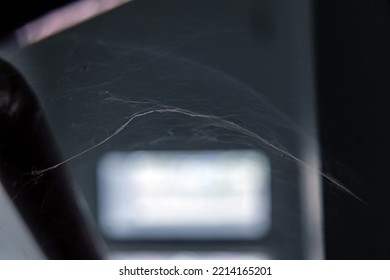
(184, 195)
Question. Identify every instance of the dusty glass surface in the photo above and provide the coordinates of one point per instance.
(167, 76)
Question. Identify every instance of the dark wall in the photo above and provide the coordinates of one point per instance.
(353, 56)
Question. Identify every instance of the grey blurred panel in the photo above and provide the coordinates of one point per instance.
(16, 241)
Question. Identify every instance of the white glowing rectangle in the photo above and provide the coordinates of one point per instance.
(184, 195)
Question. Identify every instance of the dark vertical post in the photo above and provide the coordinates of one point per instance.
(46, 201)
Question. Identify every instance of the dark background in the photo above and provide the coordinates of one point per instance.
(353, 68)
(353, 56)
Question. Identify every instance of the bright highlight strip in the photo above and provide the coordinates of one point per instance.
(64, 18)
